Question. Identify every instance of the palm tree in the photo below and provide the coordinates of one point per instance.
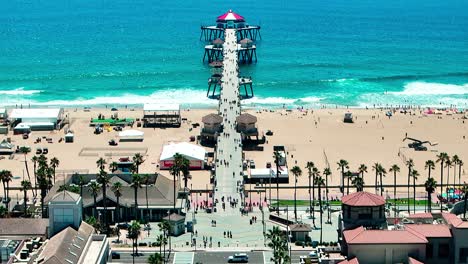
(54, 163)
(117, 189)
(101, 163)
(455, 161)
(34, 159)
(460, 165)
(137, 160)
(25, 186)
(94, 189)
(159, 241)
(6, 177)
(362, 169)
(376, 167)
(165, 228)
(410, 165)
(395, 169)
(448, 165)
(133, 233)
(358, 182)
(81, 183)
(297, 172)
(326, 173)
(441, 158)
(430, 165)
(430, 186)
(185, 168)
(113, 166)
(382, 173)
(464, 190)
(279, 243)
(319, 181)
(3, 211)
(136, 184)
(175, 171)
(310, 165)
(277, 157)
(348, 175)
(103, 180)
(414, 175)
(155, 258)
(25, 151)
(342, 165)
(146, 179)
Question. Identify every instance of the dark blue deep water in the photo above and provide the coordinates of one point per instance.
(357, 53)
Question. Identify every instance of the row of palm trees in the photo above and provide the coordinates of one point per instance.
(316, 181)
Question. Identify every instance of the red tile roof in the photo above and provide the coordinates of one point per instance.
(363, 236)
(454, 220)
(363, 199)
(351, 261)
(430, 230)
(413, 261)
(420, 215)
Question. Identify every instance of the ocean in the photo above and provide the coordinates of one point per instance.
(336, 52)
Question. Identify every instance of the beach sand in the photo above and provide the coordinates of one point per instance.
(318, 136)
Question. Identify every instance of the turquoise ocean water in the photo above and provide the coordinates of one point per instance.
(356, 53)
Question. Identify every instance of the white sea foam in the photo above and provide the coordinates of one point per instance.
(19, 91)
(281, 101)
(426, 88)
(186, 97)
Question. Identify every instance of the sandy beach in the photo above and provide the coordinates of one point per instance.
(317, 135)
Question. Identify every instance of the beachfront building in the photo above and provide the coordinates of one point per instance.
(65, 209)
(299, 232)
(230, 20)
(267, 175)
(25, 120)
(160, 198)
(212, 126)
(72, 245)
(177, 224)
(195, 154)
(384, 246)
(429, 238)
(246, 125)
(363, 209)
(161, 115)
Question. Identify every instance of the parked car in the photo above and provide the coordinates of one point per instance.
(123, 225)
(115, 255)
(239, 258)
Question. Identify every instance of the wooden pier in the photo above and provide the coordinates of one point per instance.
(214, 84)
(246, 54)
(210, 33)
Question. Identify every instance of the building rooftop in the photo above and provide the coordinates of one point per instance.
(300, 228)
(36, 113)
(351, 261)
(246, 118)
(23, 227)
(212, 119)
(65, 196)
(67, 246)
(363, 199)
(189, 151)
(230, 16)
(421, 216)
(413, 261)
(174, 217)
(430, 230)
(161, 107)
(454, 220)
(363, 236)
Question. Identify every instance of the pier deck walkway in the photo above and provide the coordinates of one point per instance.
(229, 150)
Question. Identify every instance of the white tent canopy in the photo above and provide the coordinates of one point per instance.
(189, 151)
(33, 113)
(161, 107)
(131, 133)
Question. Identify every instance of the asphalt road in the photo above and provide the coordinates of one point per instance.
(207, 257)
(222, 257)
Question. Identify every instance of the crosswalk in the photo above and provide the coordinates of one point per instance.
(183, 258)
